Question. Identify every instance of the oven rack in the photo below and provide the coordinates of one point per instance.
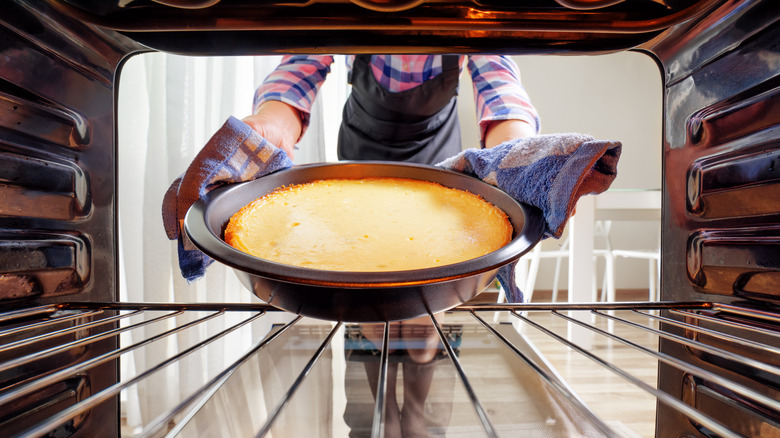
(707, 330)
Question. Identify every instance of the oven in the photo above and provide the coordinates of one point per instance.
(713, 338)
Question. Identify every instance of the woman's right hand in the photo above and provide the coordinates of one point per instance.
(278, 123)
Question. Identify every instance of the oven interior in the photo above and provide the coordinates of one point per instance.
(64, 330)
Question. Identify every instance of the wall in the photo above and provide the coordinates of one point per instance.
(616, 96)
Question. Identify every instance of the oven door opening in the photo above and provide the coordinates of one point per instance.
(670, 330)
(597, 91)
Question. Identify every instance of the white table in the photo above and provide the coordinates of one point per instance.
(616, 205)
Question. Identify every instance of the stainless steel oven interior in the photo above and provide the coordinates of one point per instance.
(714, 335)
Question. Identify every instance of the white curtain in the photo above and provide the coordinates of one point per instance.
(168, 107)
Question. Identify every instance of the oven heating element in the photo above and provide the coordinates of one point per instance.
(79, 326)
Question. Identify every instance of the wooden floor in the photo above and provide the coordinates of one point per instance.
(626, 408)
(622, 405)
(501, 384)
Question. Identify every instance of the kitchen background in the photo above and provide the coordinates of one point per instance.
(170, 105)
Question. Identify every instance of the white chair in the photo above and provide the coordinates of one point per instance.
(633, 206)
(528, 267)
(615, 206)
(606, 208)
(653, 258)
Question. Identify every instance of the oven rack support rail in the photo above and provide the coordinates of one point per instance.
(684, 324)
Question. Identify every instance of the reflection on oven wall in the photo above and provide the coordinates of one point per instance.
(169, 105)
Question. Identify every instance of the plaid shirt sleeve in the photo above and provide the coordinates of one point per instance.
(295, 82)
(497, 87)
(499, 93)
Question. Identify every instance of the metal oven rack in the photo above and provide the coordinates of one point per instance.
(748, 339)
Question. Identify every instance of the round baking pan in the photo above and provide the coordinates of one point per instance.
(358, 296)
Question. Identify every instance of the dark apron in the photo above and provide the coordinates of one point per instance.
(418, 125)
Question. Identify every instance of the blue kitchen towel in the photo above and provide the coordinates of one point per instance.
(550, 172)
(235, 153)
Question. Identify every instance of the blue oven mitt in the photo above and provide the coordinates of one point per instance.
(550, 172)
(235, 153)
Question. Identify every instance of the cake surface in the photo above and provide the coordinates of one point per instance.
(369, 224)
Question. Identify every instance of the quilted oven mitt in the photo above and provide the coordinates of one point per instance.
(550, 172)
(235, 153)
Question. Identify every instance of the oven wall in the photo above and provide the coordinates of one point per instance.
(721, 233)
(722, 156)
(57, 169)
(57, 191)
(721, 207)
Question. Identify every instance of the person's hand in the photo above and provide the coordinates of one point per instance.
(500, 131)
(278, 123)
(235, 153)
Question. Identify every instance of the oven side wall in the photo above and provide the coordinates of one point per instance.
(721, 207)
(57, 192)
(57, 178)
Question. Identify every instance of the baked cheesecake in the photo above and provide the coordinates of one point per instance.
(368, 225)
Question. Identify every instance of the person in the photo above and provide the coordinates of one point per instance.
(401, 107)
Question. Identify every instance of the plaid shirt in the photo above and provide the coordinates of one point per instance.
(497, 88)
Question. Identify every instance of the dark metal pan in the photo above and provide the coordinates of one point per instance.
(359, 296)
